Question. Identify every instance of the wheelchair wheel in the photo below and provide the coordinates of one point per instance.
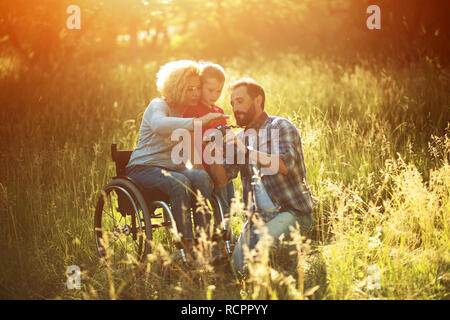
(164, 229)
(122, 224)
(165, 235)
(222, 227)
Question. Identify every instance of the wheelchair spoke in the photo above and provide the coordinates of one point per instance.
(112, 210)
(118, 237)
(117, 234)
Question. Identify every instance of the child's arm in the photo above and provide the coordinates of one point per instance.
(218, 174)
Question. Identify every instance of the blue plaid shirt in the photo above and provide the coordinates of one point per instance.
(288, 192)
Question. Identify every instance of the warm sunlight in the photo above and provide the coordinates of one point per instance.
(225, 150)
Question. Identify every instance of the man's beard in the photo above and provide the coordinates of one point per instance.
(244, 118)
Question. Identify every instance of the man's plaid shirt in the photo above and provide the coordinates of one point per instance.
(288, 192)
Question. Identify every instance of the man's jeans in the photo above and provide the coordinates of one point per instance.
(225, 195)
(276, 224)
(181, 199)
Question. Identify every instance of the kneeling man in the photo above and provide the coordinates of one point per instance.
(273, 171)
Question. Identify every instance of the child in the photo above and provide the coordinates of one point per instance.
(213, 78)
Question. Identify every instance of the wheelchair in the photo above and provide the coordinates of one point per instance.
(127, 217)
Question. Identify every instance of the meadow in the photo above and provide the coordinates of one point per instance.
(376, 140)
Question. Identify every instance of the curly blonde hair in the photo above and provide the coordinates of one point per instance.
(171, 80)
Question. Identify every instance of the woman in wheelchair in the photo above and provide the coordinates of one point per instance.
(150, 163)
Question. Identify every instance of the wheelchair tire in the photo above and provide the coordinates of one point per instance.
(221, 226)
(122, 225)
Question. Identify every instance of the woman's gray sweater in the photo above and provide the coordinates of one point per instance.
(154, 145)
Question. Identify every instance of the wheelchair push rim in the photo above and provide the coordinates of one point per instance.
(121, 225)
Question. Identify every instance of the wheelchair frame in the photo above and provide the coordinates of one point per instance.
(139, 205)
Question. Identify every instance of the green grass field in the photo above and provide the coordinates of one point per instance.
(376, 139)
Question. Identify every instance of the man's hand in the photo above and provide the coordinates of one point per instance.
(264, 159)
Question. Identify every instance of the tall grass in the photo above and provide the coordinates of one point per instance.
(377, 158)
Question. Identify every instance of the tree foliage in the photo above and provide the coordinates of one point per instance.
(36, 30)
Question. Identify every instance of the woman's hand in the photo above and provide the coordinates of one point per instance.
(210, 117)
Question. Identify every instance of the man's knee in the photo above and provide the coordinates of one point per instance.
(282, 224)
